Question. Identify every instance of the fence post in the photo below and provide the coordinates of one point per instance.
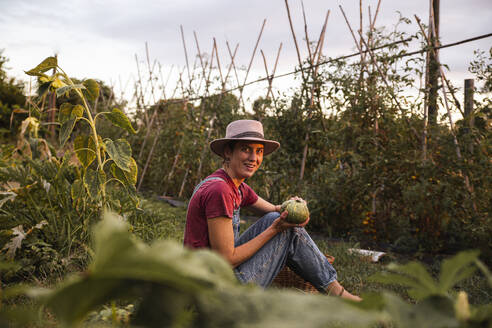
(469, 90)
(468, 102)
(433, 64)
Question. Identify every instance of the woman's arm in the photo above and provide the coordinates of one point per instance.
(262, 206)
(221, 238)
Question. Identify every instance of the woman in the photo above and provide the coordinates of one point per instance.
(263, 249)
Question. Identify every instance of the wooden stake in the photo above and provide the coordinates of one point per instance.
(451, 124)
(149, 158)
(235, 72)
(251, 62)
(295, 40)
(186, 53)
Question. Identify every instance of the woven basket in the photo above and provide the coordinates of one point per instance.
(286, 278)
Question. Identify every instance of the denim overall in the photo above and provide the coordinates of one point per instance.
(292, 247)
(235, 213)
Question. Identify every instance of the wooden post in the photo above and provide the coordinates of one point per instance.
(433, 63)
(469, 90)
(468, 102)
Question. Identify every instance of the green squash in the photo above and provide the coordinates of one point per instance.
(298, 211)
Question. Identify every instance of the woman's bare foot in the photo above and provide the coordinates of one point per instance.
(336, 289)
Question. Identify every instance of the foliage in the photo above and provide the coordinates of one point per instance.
(176, 286)
(117, 153)
(12, 99)
(50, 197)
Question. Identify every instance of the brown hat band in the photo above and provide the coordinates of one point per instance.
(248, 134)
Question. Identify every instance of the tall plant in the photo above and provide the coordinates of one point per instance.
(90, 148)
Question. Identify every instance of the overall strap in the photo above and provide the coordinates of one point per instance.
(211, 179)
(202, 182)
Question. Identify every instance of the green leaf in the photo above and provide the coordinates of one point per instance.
(67, 88)
(93, 181)
(44, 88)
(456, 269)
(48, 63)
(72, 302)
(85, 149)
(118, 254)
(120, 152)
(68, 116)
(66, 130)
(132, 175)
(91, 91)
(485, 271)
(65, 112)
(433, 312)
(68, 111)
(118, 118)
(77, 111)
(77, 190)
(418, 272)
(127, 178)
(57, 83)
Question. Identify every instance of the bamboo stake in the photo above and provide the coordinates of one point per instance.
(376, 14)
(154, 114)
(235, 71)
(321, 36)
(358, 44)
(269, 78)
(362, 55)
(150, 72)
(149, 158)
(319, 47)
(199, 53)
(295, 39)
(383, 76)
(311, 59)
(183, 183)
(202, 156)
(147, 136)
(204, 71)
(175, 162)
(221, 94)
(232, 59)
(251, 61)
(451, 124)
(141, 97)
(218, 64)
(186, 53)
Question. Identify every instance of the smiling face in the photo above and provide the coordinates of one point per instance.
(245, 159)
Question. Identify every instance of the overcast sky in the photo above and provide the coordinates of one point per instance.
(99, 39)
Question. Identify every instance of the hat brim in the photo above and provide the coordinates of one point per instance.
(217, 145)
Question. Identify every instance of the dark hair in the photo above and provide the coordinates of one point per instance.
(231, 144)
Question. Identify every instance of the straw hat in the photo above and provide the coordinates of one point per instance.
(244, 130)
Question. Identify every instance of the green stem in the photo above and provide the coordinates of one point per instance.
(95, 117)
(93, 128)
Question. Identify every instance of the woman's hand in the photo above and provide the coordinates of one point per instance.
(280, 224)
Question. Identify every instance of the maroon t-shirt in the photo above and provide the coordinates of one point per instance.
(214, 198)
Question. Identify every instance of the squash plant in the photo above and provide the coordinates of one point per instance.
(113, 156)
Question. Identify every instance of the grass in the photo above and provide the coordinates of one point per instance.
(158, 220)
(354, 270)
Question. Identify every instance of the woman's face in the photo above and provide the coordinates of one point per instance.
(245, 159)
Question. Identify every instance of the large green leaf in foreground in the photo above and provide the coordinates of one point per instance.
(172, 283)
(124, 265)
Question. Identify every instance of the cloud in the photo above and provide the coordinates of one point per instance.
(100, 38)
